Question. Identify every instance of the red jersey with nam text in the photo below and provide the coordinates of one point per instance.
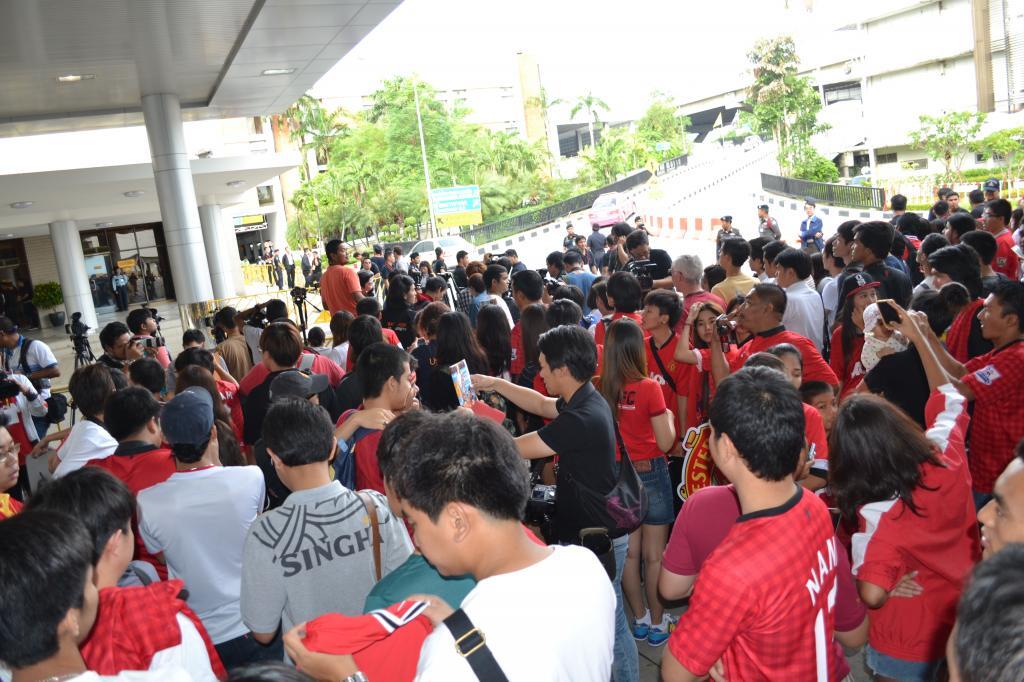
(764, 600)
(640, 402)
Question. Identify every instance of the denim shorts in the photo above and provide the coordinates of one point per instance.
(899, 669)
(658, 483)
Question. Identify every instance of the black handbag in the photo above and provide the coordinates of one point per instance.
(625, 505)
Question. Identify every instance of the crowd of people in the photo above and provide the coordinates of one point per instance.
(817, 447)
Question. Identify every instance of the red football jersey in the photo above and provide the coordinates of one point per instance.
(997, 380)
(940, 542)
(815, 367)
(640, 402)
(679, 372)
(851, 373)
(601, 326)
(1006, 260)
(764, 600)
(518, 355)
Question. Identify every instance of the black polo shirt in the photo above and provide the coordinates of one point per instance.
(584, 437)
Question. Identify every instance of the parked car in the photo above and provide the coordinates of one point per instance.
(451, 246)
(611, 208)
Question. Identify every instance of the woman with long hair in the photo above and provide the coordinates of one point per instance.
(908, 493)
(340, 322)
(495, 337)
(228, 448)
(532, 323)
(455, 341)
(960, 263)
(425, 347)
(398, 313)
(646, 429)
(858, 292)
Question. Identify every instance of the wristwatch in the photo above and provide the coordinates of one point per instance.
(357, 676)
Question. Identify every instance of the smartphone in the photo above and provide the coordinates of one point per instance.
(888, 310)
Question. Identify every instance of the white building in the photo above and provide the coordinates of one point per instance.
(130, 136)
(891, 61)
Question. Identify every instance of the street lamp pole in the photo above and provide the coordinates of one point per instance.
(423, 151)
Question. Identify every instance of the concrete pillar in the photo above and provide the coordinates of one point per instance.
(219, 261)
(74, 282)
(177, 196)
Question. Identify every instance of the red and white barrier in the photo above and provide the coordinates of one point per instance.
(682, 227)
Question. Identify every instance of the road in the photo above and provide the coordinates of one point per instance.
(700, 192)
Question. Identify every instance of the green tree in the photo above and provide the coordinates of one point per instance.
(660, 123)
(590, 104)
(948, 138)
(313, 126)
(784, 105)
(1006, 145)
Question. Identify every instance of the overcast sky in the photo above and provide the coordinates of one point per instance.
(622, 51)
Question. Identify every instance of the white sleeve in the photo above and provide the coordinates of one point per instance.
(44, 356)
(152, 543)
(190, 656)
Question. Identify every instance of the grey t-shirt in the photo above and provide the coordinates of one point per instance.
(314, 555)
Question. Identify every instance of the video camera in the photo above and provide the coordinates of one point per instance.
(77, 327)
(540, 508)
(643, 270)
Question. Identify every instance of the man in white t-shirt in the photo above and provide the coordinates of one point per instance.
(463, 494)
(88, 439)
(198, 519)
(30, 357)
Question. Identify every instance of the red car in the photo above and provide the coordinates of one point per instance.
(611, 208)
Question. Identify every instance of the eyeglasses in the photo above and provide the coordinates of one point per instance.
(10, 453)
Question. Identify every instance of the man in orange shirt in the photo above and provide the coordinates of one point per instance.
(339, 285)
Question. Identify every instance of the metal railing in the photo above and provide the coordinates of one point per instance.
(837, 195)
(669, 165)
(525, 221)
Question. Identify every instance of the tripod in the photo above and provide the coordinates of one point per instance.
(300, 303)
(83, 351)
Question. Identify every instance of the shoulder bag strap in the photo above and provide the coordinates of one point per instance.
(661, 365)
(371, 511)
(471, 644)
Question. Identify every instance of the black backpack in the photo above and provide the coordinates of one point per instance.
(57, 403)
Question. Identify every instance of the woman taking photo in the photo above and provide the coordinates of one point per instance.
(495, 337)
(646, 429)
(908, 492)
(398, 314)
(694, 348)
(455, 341)
(859, 291)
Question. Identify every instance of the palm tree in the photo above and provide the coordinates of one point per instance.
(590, 104)
(314, 126)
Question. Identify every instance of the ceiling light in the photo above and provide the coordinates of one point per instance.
(21, 204)
(131, 194)
(10, 235)
(278, 72)
(104, 224)
(75, 77)
(235, 183)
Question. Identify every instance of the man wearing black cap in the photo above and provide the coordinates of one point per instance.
(290, 383)
(198, 519)
(768, 227)
(727, 232)
(991, 189)
(811, 229)
(339, 285)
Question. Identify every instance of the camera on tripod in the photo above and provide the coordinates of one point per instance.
(643, 270)
(298, 294)
(78, 332)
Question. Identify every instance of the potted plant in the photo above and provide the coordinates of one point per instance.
(47, 295)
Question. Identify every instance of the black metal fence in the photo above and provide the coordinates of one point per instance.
(525, 221)
(837, 195)
(670, 164)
